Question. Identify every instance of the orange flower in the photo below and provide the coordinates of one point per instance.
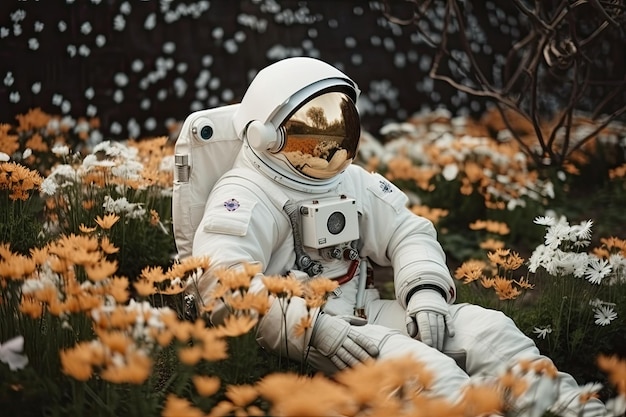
(107, 221)
(487, 282)
(190, 355)
(88, 204)
(177, 407)
(34, 119)
(241, 395)
(321, 286)
(259, 302)
(283, 287)
(504, 289)
(101, 270)
(86, 229)
(482, 400)
(39, 255)
(233, 279)
(206, 385)
(237, 325)
(115, 340)
(508, 260)
(470, 271)
(186, 266)
(119, 318)
(154, 217)
(31, 307)
(163, 337)
(616, 368)
(17, 267)
(144, 288)
(118, 289)
(491, 244)
(18, 180)
(303, 325)
(524, 284)
(314, 300)
(491, 226)
(432, 214)
(291, 395)
(153, 274)
(77, 361)
(8, 143)
(473, 172)
(248, 301)
(107, 246)
(466, 187)
(135, 371)
(5, 250)
(36, 143)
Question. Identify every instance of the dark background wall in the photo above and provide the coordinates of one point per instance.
(140, 64)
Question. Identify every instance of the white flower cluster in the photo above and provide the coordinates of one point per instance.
(62, 176)
(118, 156)
(42, 279)
(123, 206)
(559, 254)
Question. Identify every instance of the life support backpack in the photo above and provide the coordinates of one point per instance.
(205, 149)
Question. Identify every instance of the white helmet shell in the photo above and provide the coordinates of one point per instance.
(277, 93)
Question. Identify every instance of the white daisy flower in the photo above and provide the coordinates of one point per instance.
(604, 315)
(597, 270)
(542, 332)
(10, 353)
(596, 302)
(583, 230)
(556, 234)
(564, 262)
(536, 258)
(580, 262)
(49, 186)
(450, 172)
(545, 220)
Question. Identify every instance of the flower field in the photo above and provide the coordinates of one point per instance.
(94, 318)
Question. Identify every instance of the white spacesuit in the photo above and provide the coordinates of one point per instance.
(293, 202)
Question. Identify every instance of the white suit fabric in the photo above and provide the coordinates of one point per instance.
(258, 230)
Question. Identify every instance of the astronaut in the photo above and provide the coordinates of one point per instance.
(295, 204)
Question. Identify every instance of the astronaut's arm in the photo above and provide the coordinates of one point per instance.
(292, 330)
(394, 236)
(424, 286)
(234, 231)
(418, 259)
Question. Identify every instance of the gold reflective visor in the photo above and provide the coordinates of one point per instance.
(322, 136)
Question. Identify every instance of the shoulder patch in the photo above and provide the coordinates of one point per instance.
(384, 189)
(230, 217)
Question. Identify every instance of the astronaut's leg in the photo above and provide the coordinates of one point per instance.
(388, 326)
(487, 342)
(448, 379)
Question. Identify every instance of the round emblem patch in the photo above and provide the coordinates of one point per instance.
(231, 205)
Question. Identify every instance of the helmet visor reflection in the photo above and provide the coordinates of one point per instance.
(322, 136)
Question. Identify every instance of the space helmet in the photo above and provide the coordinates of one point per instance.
(299, 123)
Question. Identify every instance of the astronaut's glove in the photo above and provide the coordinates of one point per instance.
(334, 338)
(428, 318)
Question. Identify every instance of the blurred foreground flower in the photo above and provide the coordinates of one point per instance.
(11, 353)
